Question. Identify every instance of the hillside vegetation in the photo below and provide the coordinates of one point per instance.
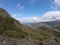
(15, 33)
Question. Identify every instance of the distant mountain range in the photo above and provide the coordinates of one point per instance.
(49, 24)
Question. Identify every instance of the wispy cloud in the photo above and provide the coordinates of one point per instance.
(19, 6)
(32, 2)
(16, 16)
(55, 4)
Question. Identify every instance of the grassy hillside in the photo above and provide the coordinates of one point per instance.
(52, 27)
(10, 27)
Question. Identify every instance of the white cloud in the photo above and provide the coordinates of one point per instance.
(30, 19)
(51, 15)
(55, 4)
(48, 16)
(19, 6)
(14, 15)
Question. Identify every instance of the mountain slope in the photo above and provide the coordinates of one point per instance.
(9, 26)
(50, 24)
(12, 32)
(52, 27)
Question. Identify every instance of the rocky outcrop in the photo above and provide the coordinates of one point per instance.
(51, 41)
(12, 41)
(27, 41)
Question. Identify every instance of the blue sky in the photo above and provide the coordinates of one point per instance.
(31, 10)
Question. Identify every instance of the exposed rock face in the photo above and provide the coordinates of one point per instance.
(11, 41)
(51, 41)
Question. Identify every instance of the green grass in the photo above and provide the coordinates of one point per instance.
(16, 34)
(12, 28)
